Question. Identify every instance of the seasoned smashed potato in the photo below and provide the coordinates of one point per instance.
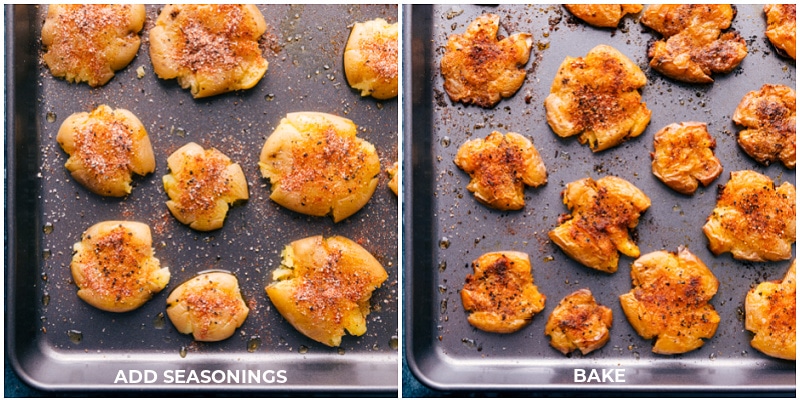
(89, 42)
(684, 156)
(753, 219)
(597, 97)
(769, 116)
(480, 69)
(210, 48)
(499, 168)
(106, 147)
(602, 15)
(670, 301)
(371, 58)
(209, 306)
(782, 27)
(317, 165)
(500, 296)
(771, 314)
(201, 185)
(114, 266)
(393, 177)
(578, 322)
(602, 213)
(323, 287)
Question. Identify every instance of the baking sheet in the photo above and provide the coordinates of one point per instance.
(54, 341)
(446, 228)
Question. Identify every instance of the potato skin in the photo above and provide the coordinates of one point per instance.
(782, 27)
(324, 285)
(578, 322)
(684, 156)
(602, 15)
(209, 306)
(371, 58)
(771, 314)
(769, 118)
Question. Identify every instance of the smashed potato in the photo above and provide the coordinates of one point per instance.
(393, 177)
(323, 287)
(670, 301)
(578, 322)
(499, 168)
(769, 116)
(771, 314)
(480, 69)
(782, 27)
(602, 213)
(210, 48)
(114, 266)
(684, 156)
(371, 58)
(597, 97)
(209, 306)
(201, 185)
(89, 42)
(753, 219)
(317, 165)
(106, 147)
(602, 15)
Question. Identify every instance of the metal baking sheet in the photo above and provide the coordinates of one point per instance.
(446, 228)
(55, 342)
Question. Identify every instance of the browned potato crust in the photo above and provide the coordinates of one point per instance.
(89, 42)
(114, 266)
(782, 27)
(323, 287)
(578, 322)
(769, 116)
(597, 97)
(500, 297)
(684, 156)
(371, 58)
(393, 177)
(771, 314)
(106, 147)
(670, 301)
(499, 168)
(480, 69)
(209, 306)
(602, 15)
(209, 48)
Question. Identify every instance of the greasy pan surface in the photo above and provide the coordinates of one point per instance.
(57, 342)
(447, 228)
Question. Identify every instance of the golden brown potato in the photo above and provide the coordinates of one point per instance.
(89, 42)
(769, 116)
(209, 48)
(771, 314)
(782, 27)
(602, 15)
(753, 219)
(209, 306)
(480, 69)
(597, 98)
(114, 266)
(499, 168)
(106, 147)
(684, 156)
(602, 213)
(670, 301)
(323, 287)
(201, 185)
(500, 297)
(371, 58)
(578, 322)
(393, 177)
(694, 46)
(317, 165)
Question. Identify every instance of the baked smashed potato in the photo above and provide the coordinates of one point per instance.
(499, 168)
(684, 156)
(753, 220)
(480, 69)
(500, 296)
(201, 185)
(769, 116)
(782, 27)
(90, 42)
(371, 58)
(317, 165)
(602, 213)
(393, 178)
(115, 268)
(602, 15)
(578, 322)
(209, 306)
(670, 301)
(209, 48)
(106, 147)
(597, 97)
(323, 287)
(771, 314)
(694, 45)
